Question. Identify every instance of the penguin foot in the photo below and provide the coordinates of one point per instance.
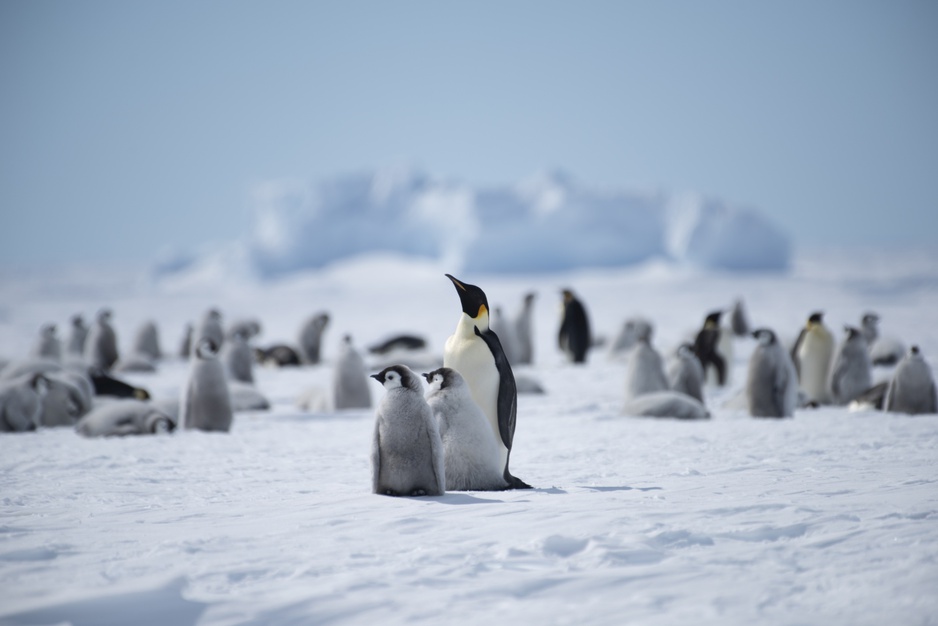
(516, 483)
(418, 492)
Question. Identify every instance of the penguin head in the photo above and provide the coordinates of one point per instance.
(206, 349)
(815, 319)
(78, 321)
(39, 383)
(567, 295)
(852, 333)
(914, 351)
(47, 330)
(712, 321)
(443, 378)
(473, 300)
(764, 336)
(104, 316)
(869, 319)
(529, 298)
(397, 376)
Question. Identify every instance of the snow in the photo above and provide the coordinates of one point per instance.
(546, 223)
(828, 517)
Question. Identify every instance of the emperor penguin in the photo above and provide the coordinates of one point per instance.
(472, 459)
(76, 338)
(125, 417)
(633, 330)
(852, 370)
(506, 335)
(869, 327)
(884, 351)
(209, 327)
(771, 383)
(685, 373)
(666, 403)
(406, 452)
(238, 357)
(524, 330)
(205, 403)
(48, 345)
(101, 344)
(739, 321)
(311, 337)
(707, 347)
(250, 328)
(21, 402)
(644, 372)
(185, 346)
(475, 351)
(349, 381)
(912, 387)
(147, 341)
(812, 356)
(574, 337)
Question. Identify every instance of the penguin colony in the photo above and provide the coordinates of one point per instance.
(457, 433)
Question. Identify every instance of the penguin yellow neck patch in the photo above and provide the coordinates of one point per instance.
(482, 311)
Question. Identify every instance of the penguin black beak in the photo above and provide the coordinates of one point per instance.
(456, 282)
(426, 375)
(377, 377)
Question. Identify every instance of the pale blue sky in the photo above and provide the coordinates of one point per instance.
(127, 127)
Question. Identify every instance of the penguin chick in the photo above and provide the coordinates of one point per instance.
(707, 348)
(48, 345)
(349, 381)
(125, 417)
(574, 337)
(476, 352)
(238, 358)
(310, 339)
(506, 335)
(185, 346)
(772, 383)
(852, 370)
(644, 372)
(101, 344)
(524, 330)
(205, 403)
(812, 356)
(633, 330)
(21, 402)
(912, 387)
(869, 327)
(469, 447)
(739, 321)
(147, 341)
(666, 404)
(209, 327)
(685, 373)
(77, 335)
(407, 452)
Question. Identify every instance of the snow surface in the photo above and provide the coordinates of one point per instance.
(546, 223)
(827, 518)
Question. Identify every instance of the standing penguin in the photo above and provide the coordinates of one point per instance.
(406, 452)
(311, 337)
(101, 345)
(912, 387)
(147, 341)
(685, 373)
(206, 403)
(772, 383)
(238, 357)
(884, 351)
(349, 381)
(524, 331)
(469, 446)
(474, 351)
(869, 327)
(210, 327)
(739, 321)
(852, 370)
(77, 336)
(574, 337)
(707, 349)
(506, 335)
(644, 372)
(812, 355)
(633, 330)
(48, 345)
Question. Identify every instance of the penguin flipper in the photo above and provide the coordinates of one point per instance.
(436, 462)
(376, 460)
(794, 351)
(507, 390)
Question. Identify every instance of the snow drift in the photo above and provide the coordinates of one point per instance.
(546, 223)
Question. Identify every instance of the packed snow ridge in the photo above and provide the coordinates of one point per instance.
(546, 223)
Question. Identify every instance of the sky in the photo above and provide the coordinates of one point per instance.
(128, 128)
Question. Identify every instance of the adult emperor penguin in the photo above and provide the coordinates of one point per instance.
(685, 373)
(125, 417)
(406, 451)
(852, 370)
(474, 351)
(574, 337)
(76, 338)
(739, 321)
(812, 356)
(101, 345)
(470, 450)
(772, 383)
(707, 348)
(524, 330)
(349, 382)
(644, 372)
(311, 337)
(48, 345)
(912, 387)
(205, 403)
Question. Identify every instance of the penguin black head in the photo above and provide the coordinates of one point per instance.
(473, 300)
(567, 295)
(398, 376)
(816, 318)
(869, 318)
(445, 375)
(78, 320)
(206, 349)
(914, 350)
(851, 332)
(713, 319)
(104, 315)
(764, 336)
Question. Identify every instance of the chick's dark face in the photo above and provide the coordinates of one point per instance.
(473, 300)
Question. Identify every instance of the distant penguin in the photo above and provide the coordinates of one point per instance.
(277, 355)
(63, 403)
(524, 331)
(884, 351)
(470, 450)
(406, 452)
(147, 341)
(349, 380)
(238, 357)
(21, 402)
(185, 346)
(398, 342)
(673, 404)
(475, 351)
(707, 348)
(851, 372)
(125, 417)
(209, 327)
(205, 403)
(644, 372)
(506, 335)
(739, 321)
(574, 337)
(812, 356)
(912, 386)
(101, 344)
(869, 327)
(246, 397)
(106, 385)
(311, 338)
(685, 373)
(48, 345)
(76, 338)
(633, 330)
(772, 383)
(249, 328)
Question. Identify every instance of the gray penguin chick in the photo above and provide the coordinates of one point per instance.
(407, 452)
(125, 417)
(852, 370)
(209, 327)
(147, 341)
(205, 403)
(772, 382)
(685, 373)
(470, 451)
(78, 333)
(524, 330)
(912, 387)
(238, 357)
(48, 345)
(644, 372)
(311, 338)
(349, 381)
(101, 344)
(21, 402)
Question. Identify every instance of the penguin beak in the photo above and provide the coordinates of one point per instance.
(458, 284)
(426, 375)
(377, 377)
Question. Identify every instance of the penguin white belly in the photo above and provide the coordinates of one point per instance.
(815, 361)
(473, 359)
